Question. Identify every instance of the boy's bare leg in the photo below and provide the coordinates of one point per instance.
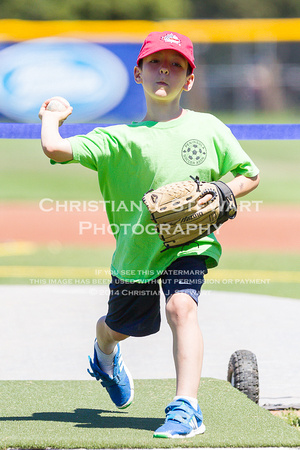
(184, 418)
(107, 338)
(181, 312)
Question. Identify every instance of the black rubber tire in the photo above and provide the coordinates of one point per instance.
(243, 373)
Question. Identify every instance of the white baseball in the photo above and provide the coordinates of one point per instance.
(58, 104)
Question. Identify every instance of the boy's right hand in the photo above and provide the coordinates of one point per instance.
(59, 115)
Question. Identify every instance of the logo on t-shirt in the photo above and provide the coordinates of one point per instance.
(194, 152)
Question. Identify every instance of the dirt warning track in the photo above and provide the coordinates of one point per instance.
(261, 227)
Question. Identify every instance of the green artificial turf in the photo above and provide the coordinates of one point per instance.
(79, 414)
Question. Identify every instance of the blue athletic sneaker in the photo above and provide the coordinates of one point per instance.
(182, 421)
(120, 387)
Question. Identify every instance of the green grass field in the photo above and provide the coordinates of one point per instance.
(79, 414)
(259, 117)
(26, 174)
(275, 274)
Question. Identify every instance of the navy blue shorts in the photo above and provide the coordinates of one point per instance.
(134, 308)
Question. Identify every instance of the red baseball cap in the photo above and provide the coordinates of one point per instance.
(167, 40)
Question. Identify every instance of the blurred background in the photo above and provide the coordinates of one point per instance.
(247, 56)
(248, 71)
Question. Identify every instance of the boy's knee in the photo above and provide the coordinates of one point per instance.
(101, 325)
(107, 333)
(179, 308)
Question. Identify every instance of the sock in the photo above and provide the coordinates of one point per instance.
(106, 361)
(193, 401)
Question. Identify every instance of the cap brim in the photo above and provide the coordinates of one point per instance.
(148, 52)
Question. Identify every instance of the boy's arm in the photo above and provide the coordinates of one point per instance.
(242, 185)
(54, 146)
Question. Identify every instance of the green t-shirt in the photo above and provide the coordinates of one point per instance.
(131, 159)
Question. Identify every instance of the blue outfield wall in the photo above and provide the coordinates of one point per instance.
(241, 132)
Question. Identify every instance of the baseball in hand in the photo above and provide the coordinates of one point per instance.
(58, 104)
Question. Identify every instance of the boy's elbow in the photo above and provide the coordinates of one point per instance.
(53, 154)
(57, 154)
(256, 180)
(253, 183)
(49, 151)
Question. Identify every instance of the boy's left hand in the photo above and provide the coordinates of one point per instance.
(189, 210)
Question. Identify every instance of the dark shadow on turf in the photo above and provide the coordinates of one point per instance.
(93, 418)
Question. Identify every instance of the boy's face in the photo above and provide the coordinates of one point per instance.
(164, 75)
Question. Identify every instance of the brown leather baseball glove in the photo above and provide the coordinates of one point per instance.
(179, 215)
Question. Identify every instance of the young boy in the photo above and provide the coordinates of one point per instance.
(169, 145)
